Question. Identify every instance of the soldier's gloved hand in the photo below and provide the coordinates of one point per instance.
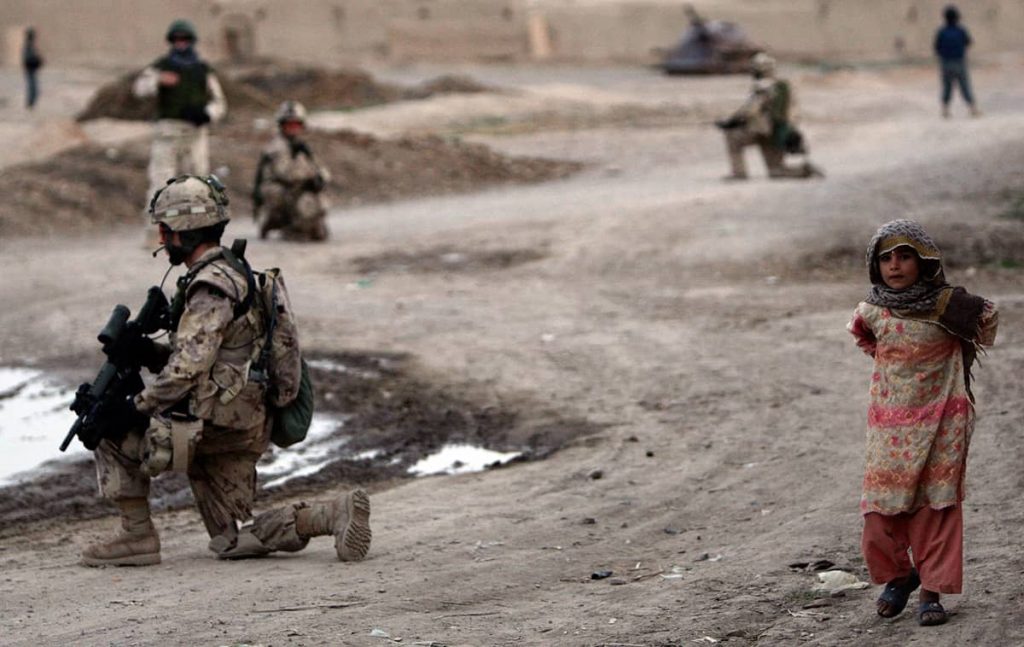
(152, 355)
(729, 123)
(195, 116)
(123, 415)
(83, 401)
(316, 184)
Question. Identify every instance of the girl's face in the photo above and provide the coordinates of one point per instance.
(900, 268)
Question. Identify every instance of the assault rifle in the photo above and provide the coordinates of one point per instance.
(128, 348)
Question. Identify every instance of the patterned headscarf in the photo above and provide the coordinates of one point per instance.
(925, 295)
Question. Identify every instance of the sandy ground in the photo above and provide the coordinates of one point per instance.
(698, 324)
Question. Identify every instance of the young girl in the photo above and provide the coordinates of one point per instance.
(923, 335)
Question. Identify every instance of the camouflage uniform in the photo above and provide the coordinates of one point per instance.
(209, 419)
(765, 120)
(289, 191)
(213, 382)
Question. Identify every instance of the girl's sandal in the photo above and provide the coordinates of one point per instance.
(896, 595)
(930, 614)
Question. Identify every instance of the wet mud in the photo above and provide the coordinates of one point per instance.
(394, 415)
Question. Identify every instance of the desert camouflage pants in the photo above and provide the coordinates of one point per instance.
(178, 147)
(301, 216)
(738, 139)
(222, 475)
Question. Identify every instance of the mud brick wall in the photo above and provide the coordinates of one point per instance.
(124, 33)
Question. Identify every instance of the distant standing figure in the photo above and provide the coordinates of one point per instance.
(31, 61)
(766, 120)
(951, 43)
(189, 96)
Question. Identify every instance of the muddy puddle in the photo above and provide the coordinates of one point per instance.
(379, 421)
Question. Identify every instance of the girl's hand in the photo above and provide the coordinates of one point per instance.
(988, 324)
(866, 340)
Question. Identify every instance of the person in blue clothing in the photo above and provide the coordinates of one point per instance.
(31, 61)
(951, 43)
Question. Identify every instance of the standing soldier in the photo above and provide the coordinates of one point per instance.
(205, 412)
(189, 96)
(766, 120)
(287, 194)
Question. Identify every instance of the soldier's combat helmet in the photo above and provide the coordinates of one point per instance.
(190, 202)
(290, 111)
(181, 26)
(762, 64)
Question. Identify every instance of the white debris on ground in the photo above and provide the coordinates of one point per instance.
(338, 367)
(308, 457)
(459, 459)
(34, 417)
(833, 582)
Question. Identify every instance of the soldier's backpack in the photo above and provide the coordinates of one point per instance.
(289, 387)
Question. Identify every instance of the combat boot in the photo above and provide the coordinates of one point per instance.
(347, 518)
(137, 544)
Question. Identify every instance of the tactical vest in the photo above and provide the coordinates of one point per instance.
(191, 92)
(227, 396)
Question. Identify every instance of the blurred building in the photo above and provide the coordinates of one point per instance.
(130, 32)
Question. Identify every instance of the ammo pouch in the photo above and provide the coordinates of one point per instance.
(170, 444)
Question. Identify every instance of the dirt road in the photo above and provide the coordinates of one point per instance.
(698, 324)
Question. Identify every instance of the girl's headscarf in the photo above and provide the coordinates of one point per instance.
(924, 295)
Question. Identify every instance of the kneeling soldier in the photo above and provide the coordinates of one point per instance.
(287, 193)
(203, 414)
(766, 120)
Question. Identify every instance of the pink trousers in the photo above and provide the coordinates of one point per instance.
(935, 538)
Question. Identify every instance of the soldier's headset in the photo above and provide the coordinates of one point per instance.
(218, 192)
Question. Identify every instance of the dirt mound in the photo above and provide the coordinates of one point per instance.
(394, 417)
(447, 84)
(446, 258)
(262, 90)
(80, 189)
(322, 89)
(995, 243)
(366, 168)
(91, 186)
(116, 101)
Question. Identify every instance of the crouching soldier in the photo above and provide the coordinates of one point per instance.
(289, 183)
(205, 412)
(766, 120)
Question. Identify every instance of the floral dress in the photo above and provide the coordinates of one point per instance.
(921, 415)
